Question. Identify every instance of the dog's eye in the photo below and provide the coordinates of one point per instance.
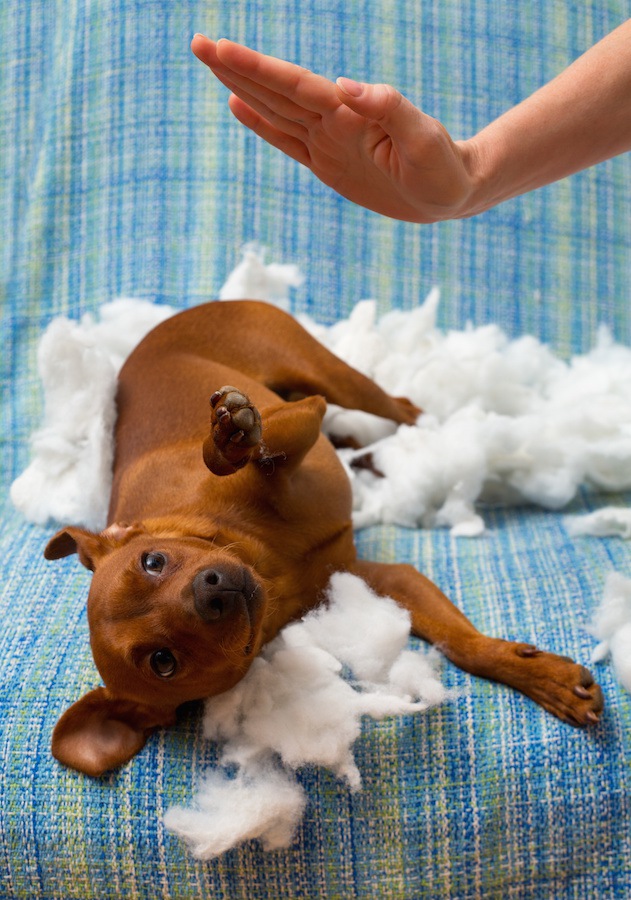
(153, 563)
(163, 663)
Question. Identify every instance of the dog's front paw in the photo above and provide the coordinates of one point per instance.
(237, 421)
(234, 433)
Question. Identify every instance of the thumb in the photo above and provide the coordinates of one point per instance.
(380, 102)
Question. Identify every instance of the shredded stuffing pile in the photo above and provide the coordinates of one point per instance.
(69, 478)
(295, 708)
(505, 421)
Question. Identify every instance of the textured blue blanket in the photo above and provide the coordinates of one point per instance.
(121, 172)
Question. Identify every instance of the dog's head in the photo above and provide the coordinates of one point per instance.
(171, 619)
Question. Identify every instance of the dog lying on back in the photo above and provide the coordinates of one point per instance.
(227, 523)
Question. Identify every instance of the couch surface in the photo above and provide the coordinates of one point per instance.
(122, 173)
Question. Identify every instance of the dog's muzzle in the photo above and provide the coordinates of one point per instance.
(223, 591)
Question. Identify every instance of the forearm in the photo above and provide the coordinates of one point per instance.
(580, 118)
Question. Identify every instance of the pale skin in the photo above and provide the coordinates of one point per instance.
(374, 147)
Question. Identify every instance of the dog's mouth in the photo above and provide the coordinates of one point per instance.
(252, 607)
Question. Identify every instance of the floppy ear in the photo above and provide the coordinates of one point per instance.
(100, 732)
(90, 546)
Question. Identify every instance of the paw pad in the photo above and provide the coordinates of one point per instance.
(237, 420)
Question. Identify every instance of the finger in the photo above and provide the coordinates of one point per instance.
(205, 50)
(282, 111)
(383, 104)
(306, 89)
(292, 146)
(292, 127)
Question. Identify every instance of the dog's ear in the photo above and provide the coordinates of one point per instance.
(90, 546)
(101, 732)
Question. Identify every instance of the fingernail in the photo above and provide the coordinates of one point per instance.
(350, 87)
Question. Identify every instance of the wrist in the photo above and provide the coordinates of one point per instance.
(480, 163)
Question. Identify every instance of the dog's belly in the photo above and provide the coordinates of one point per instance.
(167, 400)
(163, 418)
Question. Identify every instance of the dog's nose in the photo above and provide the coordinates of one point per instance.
(220, 591)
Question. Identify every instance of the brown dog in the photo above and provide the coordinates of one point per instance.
(221, 532)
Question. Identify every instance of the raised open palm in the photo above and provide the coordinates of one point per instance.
(366, 141)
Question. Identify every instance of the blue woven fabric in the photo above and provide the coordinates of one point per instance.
(121, 172)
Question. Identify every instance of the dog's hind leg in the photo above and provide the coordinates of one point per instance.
(273, 348)
(559, 685)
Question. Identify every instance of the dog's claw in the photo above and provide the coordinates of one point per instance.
(528, 650)
(582, 692)
(587, 678)
(227, 391)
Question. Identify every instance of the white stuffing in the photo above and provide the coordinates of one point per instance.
(612, 626)
(251, 279)
(505, 421)
(264, 803)
(69, 478)
(296, 708)
(610, 521)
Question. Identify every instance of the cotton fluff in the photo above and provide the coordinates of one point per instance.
(611, 521)
(612, 626)
(301, 704)
(505, 421)
(70, 475)
(264, 803)
(252, 279)
(296, 685)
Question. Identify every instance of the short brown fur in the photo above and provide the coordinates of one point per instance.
(226, 522)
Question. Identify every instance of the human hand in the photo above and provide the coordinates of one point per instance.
(365, 141)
